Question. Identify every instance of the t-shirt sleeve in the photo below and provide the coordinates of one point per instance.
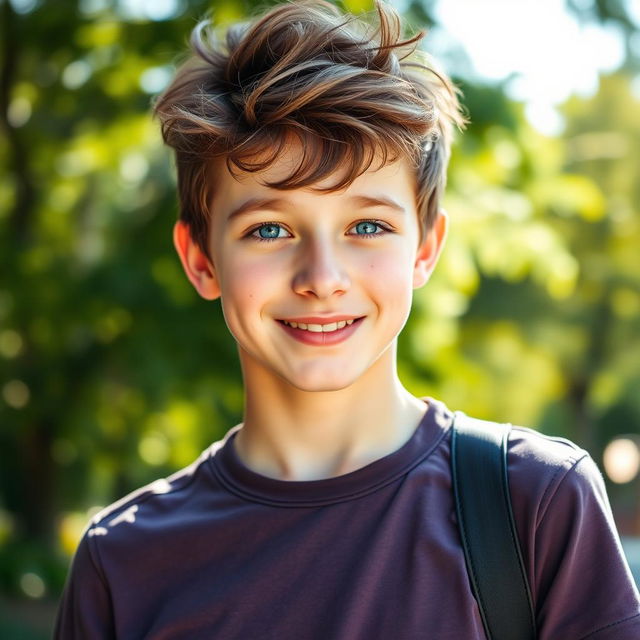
(585, 590)
(85, 609)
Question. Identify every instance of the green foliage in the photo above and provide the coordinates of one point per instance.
(532, 316)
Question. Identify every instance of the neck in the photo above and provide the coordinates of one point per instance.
(291, 434)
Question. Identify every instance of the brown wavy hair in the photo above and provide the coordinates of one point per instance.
(349, 92)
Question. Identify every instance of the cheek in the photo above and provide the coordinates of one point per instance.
(391, 274)
(246, 287)
(247, 278)
(388, 281)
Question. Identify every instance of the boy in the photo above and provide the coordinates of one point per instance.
(311, 159)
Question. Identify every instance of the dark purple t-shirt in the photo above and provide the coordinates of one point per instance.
(219, 552)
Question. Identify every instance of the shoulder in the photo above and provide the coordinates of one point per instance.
(544, 471)
(541, 467)
(541, 451)
(571, 548)
(153, 505)
(539, 464)
(130, 534)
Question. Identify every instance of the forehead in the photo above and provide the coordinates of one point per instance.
(397, 179)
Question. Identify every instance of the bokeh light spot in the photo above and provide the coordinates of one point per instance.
(32, 585)
(11, 343)
(621, 460)
(16, 394)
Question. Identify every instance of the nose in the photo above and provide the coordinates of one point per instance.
(321, 272)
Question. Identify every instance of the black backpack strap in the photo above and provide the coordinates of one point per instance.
(487, 527)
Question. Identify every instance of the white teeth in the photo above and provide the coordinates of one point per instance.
(319, 328)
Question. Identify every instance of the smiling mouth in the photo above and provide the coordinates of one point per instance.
(320, 328)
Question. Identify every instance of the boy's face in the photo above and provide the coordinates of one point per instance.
(351, 254)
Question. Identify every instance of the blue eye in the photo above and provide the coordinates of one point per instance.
(367, 229)
(271, 232)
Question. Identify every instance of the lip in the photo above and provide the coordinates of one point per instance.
(322, 339)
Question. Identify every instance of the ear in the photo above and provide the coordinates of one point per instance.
(196, 265)
(429, 250)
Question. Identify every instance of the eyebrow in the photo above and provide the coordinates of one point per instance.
(280, 204)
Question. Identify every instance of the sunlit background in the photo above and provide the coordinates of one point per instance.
(113, 372)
